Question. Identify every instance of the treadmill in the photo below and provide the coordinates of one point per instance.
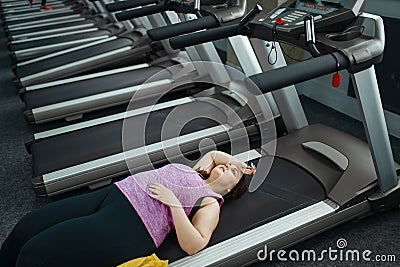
(64, 171)
(24, 48)
(217, 109)
(60, 99)
(24, 5)
(78, 16)
(320, 177)
(117, 51)
(15, 18)
(33, 18)
(92, 153)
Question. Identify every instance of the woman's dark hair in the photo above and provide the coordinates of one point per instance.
(236, 192)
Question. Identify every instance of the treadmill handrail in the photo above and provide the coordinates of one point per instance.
(215, 18)
(300, 72)
(216, 33)
(119, 6)
(204, 36)
(141, 12)
(206, 22)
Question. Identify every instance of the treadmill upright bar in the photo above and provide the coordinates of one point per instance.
(250, 65)
(287, 99)
(370, 105)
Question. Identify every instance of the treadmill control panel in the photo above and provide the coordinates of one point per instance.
(320, 6)
(290, 15)
(340, 25)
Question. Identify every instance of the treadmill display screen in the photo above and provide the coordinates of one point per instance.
(322, 7)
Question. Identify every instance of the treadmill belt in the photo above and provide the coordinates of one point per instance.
(59, 152)
(71, 57)
(65, 92)
(58, 40)
(260, 207)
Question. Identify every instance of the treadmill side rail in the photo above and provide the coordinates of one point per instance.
(219, 254)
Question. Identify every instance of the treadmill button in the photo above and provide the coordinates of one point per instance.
(300, 12)
(279, 21)
(277, 13)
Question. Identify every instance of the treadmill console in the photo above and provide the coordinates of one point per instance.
(340, 25)
(329, 15)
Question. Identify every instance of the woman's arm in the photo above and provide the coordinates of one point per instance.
(214, 158)
(192, 236)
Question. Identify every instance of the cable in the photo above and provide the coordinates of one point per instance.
(273, 48)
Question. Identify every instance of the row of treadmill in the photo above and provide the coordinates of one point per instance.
(139, 83)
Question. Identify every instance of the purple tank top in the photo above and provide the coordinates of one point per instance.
(186, 184)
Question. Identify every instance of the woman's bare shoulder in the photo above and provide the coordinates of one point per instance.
(209, 202)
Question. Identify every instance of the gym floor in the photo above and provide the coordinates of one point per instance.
(378, 233)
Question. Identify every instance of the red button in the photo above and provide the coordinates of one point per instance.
(279, 21)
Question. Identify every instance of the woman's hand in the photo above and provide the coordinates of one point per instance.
(250, 169)
(164, 195)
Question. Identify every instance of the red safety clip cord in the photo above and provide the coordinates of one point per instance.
(279, 21)
(337, 77)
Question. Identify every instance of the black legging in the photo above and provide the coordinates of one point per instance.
(96, 229)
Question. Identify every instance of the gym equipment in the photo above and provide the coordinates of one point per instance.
(342, 178)
(31, 42)
(60, 99)
(100, 166)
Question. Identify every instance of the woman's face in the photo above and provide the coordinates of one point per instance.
(224, 177)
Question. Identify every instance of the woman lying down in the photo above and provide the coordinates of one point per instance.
(130, 218)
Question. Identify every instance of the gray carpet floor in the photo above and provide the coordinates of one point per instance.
(380, 233)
